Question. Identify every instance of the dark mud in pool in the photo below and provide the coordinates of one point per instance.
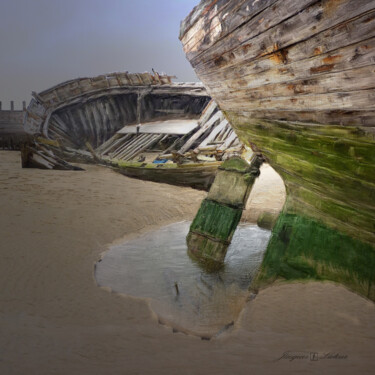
(156, 266)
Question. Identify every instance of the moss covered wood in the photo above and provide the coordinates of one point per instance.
(304, 248)
(218, 217)
(329, 171)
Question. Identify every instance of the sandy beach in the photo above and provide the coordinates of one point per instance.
(54, 226)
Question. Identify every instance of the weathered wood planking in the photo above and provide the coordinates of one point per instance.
(93, 109)
(97, 95)
(311, 62)
(196, 41)
(344, 81)
(213, 132)
(294, 24)
(218, 116)
(83, 86)
(352, 43)
(363, 118)
(331, 101)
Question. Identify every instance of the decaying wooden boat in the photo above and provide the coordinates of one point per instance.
(123, 117)
(93, 109)
(296, 80)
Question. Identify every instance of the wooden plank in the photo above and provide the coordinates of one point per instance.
(216, 117)
(221, 134)
(123, 146)
(363, 118)
(207, 112)
(352, 100)
(343, 81)
(58, 126)
(115, 143)
(214, 133)
(105, 129)
(140, 140)
(225, 134)
(127, 145)
(108, 142)
(232, 136)
(356, 55)
(149, 144)
(138, 147)
(87, 125)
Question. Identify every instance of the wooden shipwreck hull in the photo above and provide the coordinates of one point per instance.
(93, 109)
(296, 79)
(116, 119)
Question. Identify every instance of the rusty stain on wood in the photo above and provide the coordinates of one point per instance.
(331, 59)
(246, 47)
(322, 68)
(280, 57)
(220, 61)
(318, 51)
(330, 6)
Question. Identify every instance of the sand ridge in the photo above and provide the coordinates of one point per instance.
(55, 320)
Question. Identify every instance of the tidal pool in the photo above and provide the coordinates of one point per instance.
(156, 266)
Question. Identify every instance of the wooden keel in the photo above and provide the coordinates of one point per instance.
(216, 221)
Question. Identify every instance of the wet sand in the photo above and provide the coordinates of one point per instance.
(267, 195)
(54, 225)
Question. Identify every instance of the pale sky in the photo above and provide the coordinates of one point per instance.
(45, 42)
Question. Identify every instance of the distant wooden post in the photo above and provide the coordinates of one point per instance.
(24, 105)
(216, 221)
(139, 107)
(0, 106)
(12, 105)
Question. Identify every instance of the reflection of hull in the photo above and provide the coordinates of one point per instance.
(199, 176)
(296, 80)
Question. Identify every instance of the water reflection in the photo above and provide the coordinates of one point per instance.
(156, 266)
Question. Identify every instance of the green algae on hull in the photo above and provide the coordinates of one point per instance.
(303, 248)
(327, 228)
(216, 220)
(329, 171)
